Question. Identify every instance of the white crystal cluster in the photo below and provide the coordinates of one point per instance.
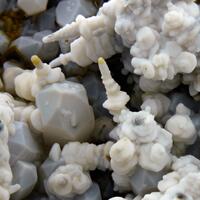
(68, 180)
(163, 37)
(141, 141)
(178, 183)
(6, 128)
(148, 144)
(30, 82)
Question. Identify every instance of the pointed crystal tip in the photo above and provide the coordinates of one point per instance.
(101, 61)
(36, 61)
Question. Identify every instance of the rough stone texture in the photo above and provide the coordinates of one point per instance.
(67, 10)
(48, 51)
(24, 174)
(32, 7)
(4, 41)
(143, 180)
(65, 113)
(22, 145)
(3, 4)
(27, 46)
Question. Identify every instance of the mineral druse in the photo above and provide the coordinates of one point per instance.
(99, 100)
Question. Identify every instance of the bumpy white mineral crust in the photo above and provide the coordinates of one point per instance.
(94, 156)
(158, 104)
(181, 126)
(68, 181)
(140, 139)
(183, 182)
(6, 128)
(30, 82)
(163, 36)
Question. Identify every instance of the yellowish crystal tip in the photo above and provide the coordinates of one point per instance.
(101, 61)
(36, 60)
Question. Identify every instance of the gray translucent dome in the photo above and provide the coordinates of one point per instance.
(24, 174)
(67, 10)
(22, 145)
(65, 113)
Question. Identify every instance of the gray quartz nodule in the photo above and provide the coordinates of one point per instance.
(48, 51)
(189, 102)
(46, 169)
(143, 180)
(65, 113)
(93, 193)
(47, 20)
(49, 166)
(24, 174)
(27, 46)
(67, 10)
(96, 94)
(23, 146)
(11, 70)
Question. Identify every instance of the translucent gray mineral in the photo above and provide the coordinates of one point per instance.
(177, 98)
(48, 166)
(143, 181)
(3, 4)
(96, 93)
(27, 46)
(48, 51)
(22, 145)
(47, 20)
(4, 41)
(65, 113)
(11, 70)
(24, 174)
(67, 10)
(93, 193)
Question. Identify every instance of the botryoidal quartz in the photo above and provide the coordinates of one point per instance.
(47, 110)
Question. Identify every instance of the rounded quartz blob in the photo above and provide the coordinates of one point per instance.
(65, 113)
(67, 10)
(23, 146)
(24, 174)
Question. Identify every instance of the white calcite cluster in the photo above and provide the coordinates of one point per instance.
(181, 126)
(163, 37)
(95, 36)
(102, 141)
(158, 104)
(182, 183)
(30, 82)
(141, 141)
(89, 156)
(69, 180)
(6, 129)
